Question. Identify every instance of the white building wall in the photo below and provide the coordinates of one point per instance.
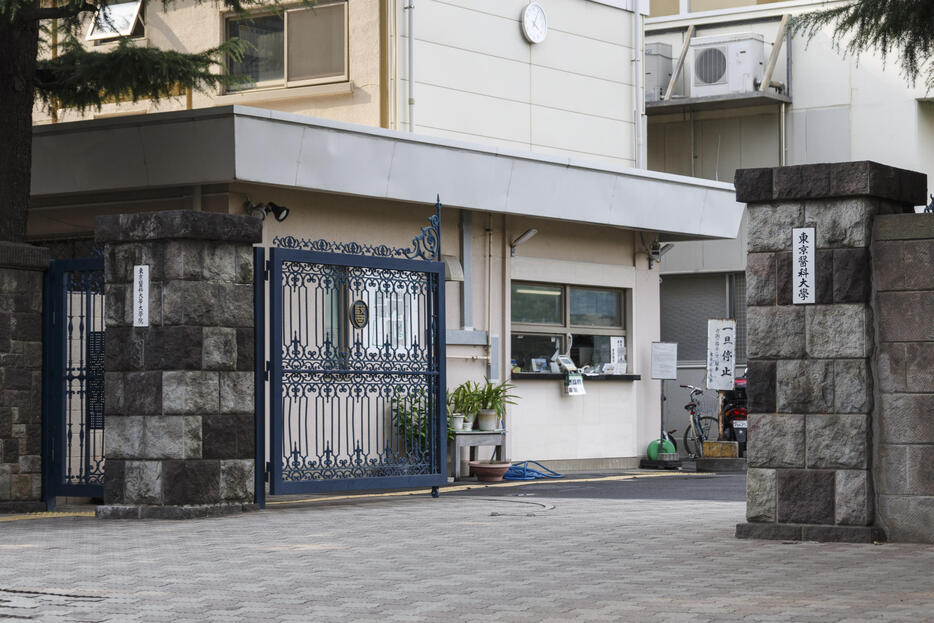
(478, 79)
(843, 109)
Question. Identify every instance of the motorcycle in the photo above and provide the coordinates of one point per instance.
(735, 415)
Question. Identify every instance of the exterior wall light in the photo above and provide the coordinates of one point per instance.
(260, 210)
(526, 235)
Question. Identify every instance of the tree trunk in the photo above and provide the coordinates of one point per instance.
(19, 45)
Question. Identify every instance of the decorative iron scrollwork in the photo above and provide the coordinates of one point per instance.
(425, 246)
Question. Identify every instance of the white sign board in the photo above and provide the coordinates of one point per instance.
(141, 296)
(664, 360)
(617, 363)
(575, 384)
(802, 265)
(721, 353)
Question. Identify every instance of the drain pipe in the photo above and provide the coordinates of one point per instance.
(410, 7)
(638, 80)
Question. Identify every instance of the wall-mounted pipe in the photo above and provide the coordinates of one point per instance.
(638, 80)
(411, 15)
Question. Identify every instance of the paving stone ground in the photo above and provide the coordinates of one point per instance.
(511, 557)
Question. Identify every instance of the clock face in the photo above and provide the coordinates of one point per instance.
(534, 24)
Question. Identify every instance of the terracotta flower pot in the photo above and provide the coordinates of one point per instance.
(489, 472)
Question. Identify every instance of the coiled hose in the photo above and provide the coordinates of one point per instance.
(522, 471)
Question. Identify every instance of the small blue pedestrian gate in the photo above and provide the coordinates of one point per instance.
(73, 380)
(356, 365)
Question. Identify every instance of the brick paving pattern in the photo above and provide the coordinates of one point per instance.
(457, 558)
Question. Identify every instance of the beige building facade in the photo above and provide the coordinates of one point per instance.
(512, 135)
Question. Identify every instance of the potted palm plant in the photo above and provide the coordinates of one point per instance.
(491, 401)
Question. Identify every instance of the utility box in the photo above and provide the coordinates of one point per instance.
(726, 64)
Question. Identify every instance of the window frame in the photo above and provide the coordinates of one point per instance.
(284, 82)
(684, 10)
(566, 326)
(562, 330)
(111, 36)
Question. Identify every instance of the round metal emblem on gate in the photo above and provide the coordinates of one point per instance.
(359, 314)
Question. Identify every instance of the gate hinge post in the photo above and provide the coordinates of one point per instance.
(266, 372)
(266, 271)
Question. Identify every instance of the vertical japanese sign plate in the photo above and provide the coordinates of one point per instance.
(802, 265)
(721, 353)
(141, 295)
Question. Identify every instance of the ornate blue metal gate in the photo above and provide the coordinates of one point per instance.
(73, 380)
(357, 365)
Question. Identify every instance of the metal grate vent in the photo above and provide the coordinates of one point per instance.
(687, 301)
(710, 66)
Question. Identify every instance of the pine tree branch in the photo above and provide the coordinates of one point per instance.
(83, 79)
(900, 28)
(61, 12)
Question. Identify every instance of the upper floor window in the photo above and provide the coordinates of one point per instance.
(295, 47)
(115, 20)
(659, 8)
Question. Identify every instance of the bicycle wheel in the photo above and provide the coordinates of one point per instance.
(709, 427)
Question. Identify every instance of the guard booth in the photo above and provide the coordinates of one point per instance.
(356, 365)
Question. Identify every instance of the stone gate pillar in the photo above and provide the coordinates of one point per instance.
(903, 286)
(178, 437)
(22, 267)
(810, 382)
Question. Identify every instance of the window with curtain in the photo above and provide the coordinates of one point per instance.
(295, 47)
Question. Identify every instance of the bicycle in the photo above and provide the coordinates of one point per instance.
(699, 427)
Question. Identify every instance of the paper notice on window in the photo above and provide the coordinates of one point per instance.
(575, 384)
(664, 360)
(721, 353)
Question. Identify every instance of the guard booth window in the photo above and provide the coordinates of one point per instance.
(545, 315)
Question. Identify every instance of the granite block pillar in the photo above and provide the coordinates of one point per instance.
(810, 366)
(179, 435)
(903, 285)
(22, 268)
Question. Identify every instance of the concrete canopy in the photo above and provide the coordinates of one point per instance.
(240, 144)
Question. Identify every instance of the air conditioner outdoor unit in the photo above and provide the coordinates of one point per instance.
(658, 68)
(726, 64)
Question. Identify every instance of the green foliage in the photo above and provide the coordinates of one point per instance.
(494, 397)
(410, 419)
(904, 28)
(463, 399)
(83, 79)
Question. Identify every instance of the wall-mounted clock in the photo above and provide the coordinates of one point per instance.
(534, 23)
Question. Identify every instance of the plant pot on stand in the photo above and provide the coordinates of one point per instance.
(488, 419)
